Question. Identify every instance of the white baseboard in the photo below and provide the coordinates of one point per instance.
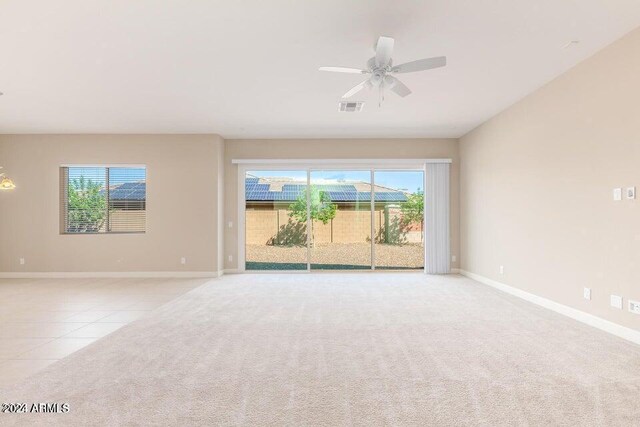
(236, 271)
(108, 274)
(589, 319)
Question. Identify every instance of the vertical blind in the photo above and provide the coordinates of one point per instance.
(103, 199)
(437, 211)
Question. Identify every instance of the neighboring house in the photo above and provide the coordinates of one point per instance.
(127, 207)
(282, 190)
(129, 196)
(268, 220)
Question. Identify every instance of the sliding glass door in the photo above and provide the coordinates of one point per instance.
(340, 210)
(334, 219)
(399, 210)
(276, 220)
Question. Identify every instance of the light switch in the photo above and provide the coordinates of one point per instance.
(631, 193)
(617, 194)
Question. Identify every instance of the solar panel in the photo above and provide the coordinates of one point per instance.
(291, 192)
(140, 194)
(129, 191)
(293, 187)
(390, 196)
(337, 187)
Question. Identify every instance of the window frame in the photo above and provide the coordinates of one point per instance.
(245, 165)
(64, 196)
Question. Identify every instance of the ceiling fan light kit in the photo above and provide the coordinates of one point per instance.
(381, 68)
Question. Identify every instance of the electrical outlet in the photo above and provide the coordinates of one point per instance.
(502, 269)
(22, 261)
(453, 258)
(616, 301)
(631, 193)
(230, 224)
(183, 260)
(587, 293)
(634, 306)
(230, 258)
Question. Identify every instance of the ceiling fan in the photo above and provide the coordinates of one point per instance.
(381, 69)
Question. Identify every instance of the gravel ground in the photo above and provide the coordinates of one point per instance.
(334, 256)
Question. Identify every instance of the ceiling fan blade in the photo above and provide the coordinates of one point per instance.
(420, 65)
(343, 70)
(397, 86)
(384, 50)
(357, 88)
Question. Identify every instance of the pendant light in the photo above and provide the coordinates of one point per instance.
(6, 183)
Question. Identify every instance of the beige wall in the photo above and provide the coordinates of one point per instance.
(537, 186)
(183, 194)
(332, 149)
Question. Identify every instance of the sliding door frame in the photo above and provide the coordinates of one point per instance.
(310, 165)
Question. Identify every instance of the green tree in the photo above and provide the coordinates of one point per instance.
(413, 209)
(87, 206)
(320, 206)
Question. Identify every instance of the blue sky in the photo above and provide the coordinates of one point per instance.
(399, 180)
(411, 181)
(117, 176)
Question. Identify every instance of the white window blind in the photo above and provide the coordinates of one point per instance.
(97, 199)
(437, 211)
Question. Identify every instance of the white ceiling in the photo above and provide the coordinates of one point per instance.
(248, 69)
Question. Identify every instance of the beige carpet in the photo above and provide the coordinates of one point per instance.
(343, 349)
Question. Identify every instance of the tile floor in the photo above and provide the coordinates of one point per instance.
(44, 320)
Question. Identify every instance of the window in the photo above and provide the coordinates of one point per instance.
(334, 219)
(100, 199)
